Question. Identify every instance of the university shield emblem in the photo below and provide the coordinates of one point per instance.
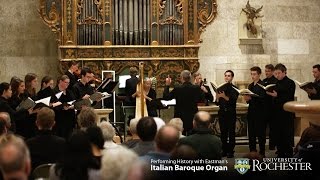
(242, 165)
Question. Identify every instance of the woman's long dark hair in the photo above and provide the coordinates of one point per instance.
(78, 158)
(15, 84)
(27, 80)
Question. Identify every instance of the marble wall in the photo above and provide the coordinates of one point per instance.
(291, 36)
(26, 44)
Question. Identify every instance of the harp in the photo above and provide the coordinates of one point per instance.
(141, 106)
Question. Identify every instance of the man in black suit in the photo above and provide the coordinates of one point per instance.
(227, 101)
(284, 92)
(270, 116)
(73, 67)
(187, 95)
(45, 147)
(314, 93)
(256, 112)
(131, 87)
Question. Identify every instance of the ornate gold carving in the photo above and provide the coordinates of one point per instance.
(191, 52)
(107, 7)
(155, 7)
(206, 14)
(171, 20)
(53, 18)
(89, 20)
(90, 53)
(69, 38)
(179, 6)
(162, 5)
(69, 12)
(70, 54)
(79, 7)
(137, 53)
(99, 6)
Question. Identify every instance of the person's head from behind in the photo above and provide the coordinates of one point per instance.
(167, 138)
(3, 127)
(5, 117)
(78, 157)
(316, 71)
(47, 81)
(31, 82)
(133, 126)
(87, 118)
(178, 123)
(228, 76)
(17, 86)
(280, 71)
(116, 163)
(147, 129)
(86, 75)
(73, 66)
(184, 151)
(185, 76)
(15, 162)
(201, 119)
(63, 82)
(107, 131)
(133, 71)
(95, 136)
(255, 73)
(269, 70)
(45, 119)
(5, 90)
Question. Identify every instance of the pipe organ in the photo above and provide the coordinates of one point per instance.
(116, 34)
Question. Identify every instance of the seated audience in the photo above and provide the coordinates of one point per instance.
(96, 138)
(45, 147)
(116, 163)
(134, 136)
(146, 129)
(15, 161)
(78, 161)
(177, 123)
(207, 145)
(87, 118)
(108, 135)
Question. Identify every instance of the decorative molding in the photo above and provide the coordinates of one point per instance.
(207, 12)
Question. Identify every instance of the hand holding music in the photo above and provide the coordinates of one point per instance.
(86, 96)
(204, 89)
(273, 93)
(168, 81)
(310, 91)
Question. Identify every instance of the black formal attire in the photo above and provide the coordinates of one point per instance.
(270, 111)
(187, 95)
(152, 105)
(256, 118)
(65, 119)
(207, 145)
(206, 97)
(45, 148)
(17, 117)
(14, 102)
(227, 118)
(79, 90)
(317, 87)
(73, 79)
(44, 93)
(285, 89)
(130, 89)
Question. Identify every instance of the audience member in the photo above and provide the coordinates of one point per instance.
(177, 122)
(108, 135)
(134, 136)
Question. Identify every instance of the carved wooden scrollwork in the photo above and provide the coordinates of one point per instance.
(114, 35)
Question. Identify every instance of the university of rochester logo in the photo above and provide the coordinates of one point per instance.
(242, 165)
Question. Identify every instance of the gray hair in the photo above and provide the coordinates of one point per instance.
(107, 131)
(6, 117)
(186, 75)
(177, 123)
(116, 163)
(133, 125)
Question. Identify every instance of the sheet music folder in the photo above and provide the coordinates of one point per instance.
(107, 85)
